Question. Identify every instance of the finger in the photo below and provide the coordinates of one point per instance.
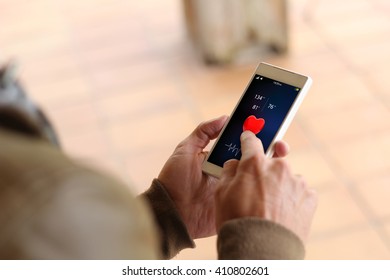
(281, 149)
(205, 132)
(229, 170)
(251, 146)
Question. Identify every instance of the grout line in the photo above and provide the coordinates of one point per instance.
(101, 120)
(336, 169)
(310, 21)
(187, 99)
(348, 182)
(377, 223)
(181, 85)
(104, 122)
(328, 234)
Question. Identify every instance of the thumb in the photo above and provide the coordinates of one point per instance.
(205, 132)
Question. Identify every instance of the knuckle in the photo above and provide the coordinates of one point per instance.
(199, 131)
(230, 164)
(219, 191)
(302, 181)
(201, 125)
(252, 161)
(281, 164)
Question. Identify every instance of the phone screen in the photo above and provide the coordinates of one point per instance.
(262, 110)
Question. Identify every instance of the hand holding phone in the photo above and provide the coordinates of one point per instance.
(266, 108)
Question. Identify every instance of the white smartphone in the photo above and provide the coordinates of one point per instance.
(267, 107)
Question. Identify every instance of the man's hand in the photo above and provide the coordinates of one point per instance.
(257, 186)
(192, 190)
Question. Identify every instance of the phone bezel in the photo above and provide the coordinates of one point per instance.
(278, 74)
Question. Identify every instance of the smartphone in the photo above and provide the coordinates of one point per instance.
(266, 108)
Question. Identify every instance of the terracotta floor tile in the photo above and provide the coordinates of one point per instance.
(382, 5)
(347, 8)
(120, 75)
(336, 210)
(327, 65)
(90, 149)
(363, 27)
(362, 158)
(27, 48)
(80, 12)
(89, 142)
(113, 54)
(217, 82)
(304, 40)
(368, 56)
(380, 83)
(349, 125)
(92, 32)
(362, 244)
(386, 228)
(206, 249)
(163, 131)
(369, 36)
(51, 69)
(143, 168)
(376, 192)
(328, 96)
(20, 22)
(149, 99)
(109, 166)
(312, 166)
(60, 92)
(296, 136)
(73, 119)
(209, 108)
(104, 43)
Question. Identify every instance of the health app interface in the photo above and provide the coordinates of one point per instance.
(262, 110)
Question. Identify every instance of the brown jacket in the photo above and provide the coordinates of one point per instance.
(54, 208)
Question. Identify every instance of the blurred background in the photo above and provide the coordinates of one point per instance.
(124, 81)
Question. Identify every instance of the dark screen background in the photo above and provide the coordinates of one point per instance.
(264, 98)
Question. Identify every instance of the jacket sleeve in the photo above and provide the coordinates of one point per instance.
(257, 239)
(174, 236)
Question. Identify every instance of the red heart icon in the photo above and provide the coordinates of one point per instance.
(253, 124)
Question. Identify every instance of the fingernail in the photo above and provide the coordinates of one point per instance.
(246, 134)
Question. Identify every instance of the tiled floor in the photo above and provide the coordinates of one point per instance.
(113, 74)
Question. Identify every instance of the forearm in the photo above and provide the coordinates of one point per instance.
(173, 232)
